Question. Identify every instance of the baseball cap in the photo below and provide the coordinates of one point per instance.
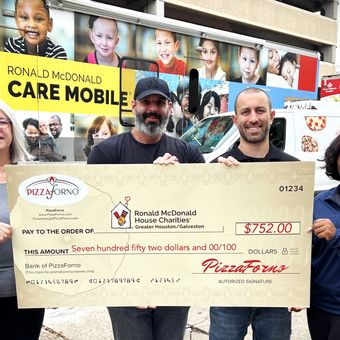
(151, 85)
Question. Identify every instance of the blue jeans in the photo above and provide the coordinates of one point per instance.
(161, 323)
(231, 323)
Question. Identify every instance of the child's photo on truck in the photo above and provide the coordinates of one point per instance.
(33, 22)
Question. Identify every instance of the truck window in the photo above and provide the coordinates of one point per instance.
(208, 132)
(277, 133)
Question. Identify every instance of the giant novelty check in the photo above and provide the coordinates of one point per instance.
(188, 234)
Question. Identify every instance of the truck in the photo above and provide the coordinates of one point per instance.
(79, 91)
(304, 133)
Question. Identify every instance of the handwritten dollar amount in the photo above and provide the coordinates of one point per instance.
(267, 228)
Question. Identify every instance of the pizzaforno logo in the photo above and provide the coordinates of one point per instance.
(53, 190)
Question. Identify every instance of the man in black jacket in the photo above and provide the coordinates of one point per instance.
(253, 117)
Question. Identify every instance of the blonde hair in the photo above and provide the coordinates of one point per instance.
(17, 150)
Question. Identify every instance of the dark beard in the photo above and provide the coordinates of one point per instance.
(255, 140)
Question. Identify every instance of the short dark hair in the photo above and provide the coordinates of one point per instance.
(44, 4)
(254, 90)
(332, 154)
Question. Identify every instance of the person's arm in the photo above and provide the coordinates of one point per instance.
(5, 232)
(325, 228)
(47, 152)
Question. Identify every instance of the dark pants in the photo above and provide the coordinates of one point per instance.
(161, 323)
(19, 324)
(231, 323)
(323, 325)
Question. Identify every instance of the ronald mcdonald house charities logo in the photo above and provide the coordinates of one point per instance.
(121, 216)
(53, 190)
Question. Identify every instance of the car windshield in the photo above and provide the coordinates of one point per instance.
(207, 133)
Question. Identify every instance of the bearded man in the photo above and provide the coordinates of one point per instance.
(147, 143)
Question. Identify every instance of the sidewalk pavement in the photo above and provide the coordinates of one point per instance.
(94, 324)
